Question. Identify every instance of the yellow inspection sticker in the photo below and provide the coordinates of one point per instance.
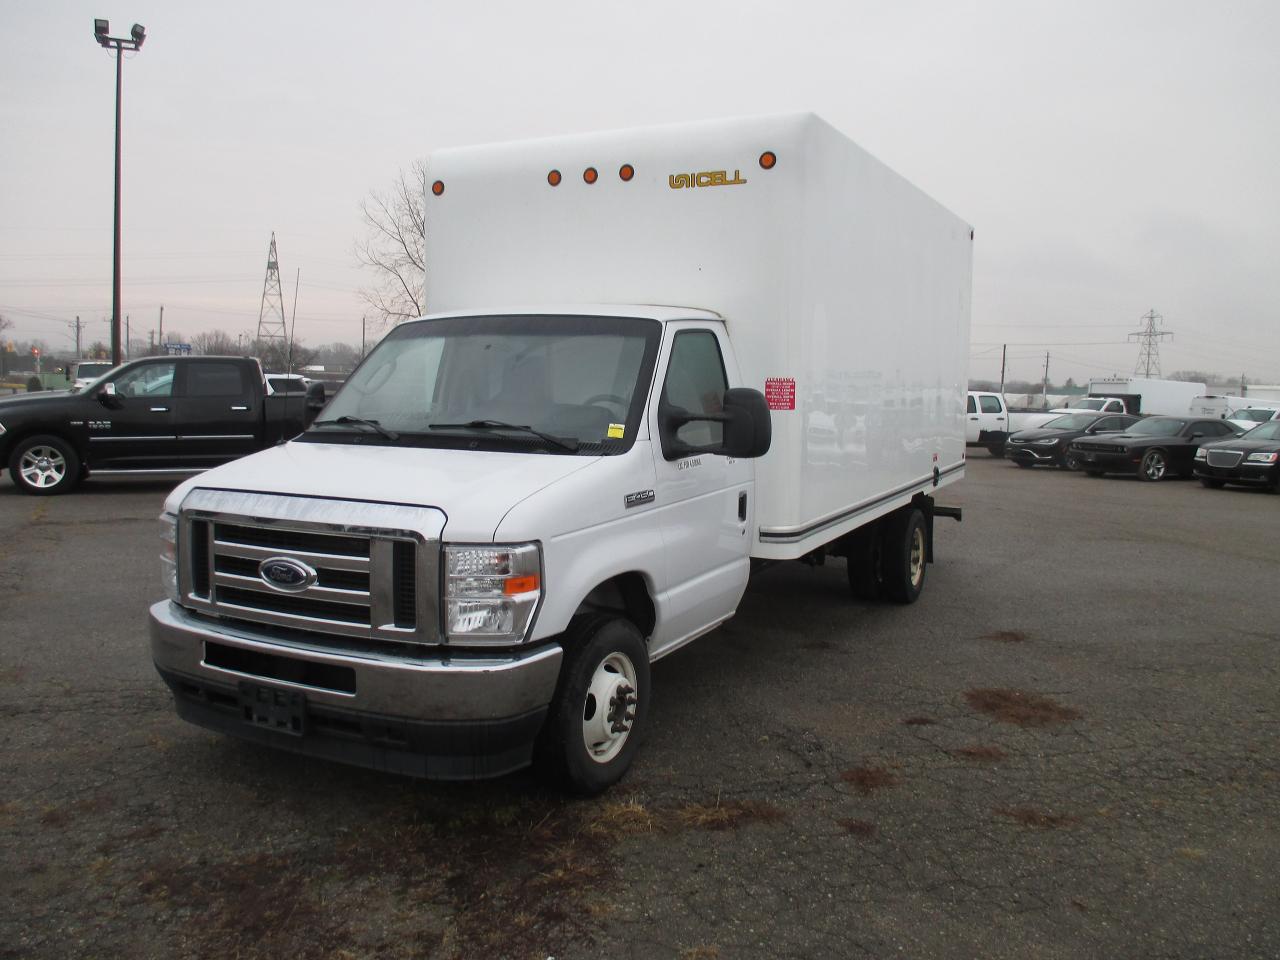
(616, 431)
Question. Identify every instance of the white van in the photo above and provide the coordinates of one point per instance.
(655, 359)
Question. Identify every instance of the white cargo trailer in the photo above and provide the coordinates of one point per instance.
(653, 358)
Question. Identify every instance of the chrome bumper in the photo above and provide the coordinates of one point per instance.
(452, 686)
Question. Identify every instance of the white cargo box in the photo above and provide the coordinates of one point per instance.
(845, 290)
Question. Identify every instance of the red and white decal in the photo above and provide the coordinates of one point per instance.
(780, 393)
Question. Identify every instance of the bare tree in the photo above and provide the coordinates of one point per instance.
(393, 245)
(5, 324)
(215, 343)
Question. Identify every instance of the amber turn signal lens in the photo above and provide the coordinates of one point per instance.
(627, 171)
(438, 187)
(768, 159)
(590, 175)
(553, 178)
(514, 585)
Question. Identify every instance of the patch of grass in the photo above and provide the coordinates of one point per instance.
(616, 819)
(1019, 707)
(1042, 820)
(868, 779)
(1005, 636)
(919, 722)
(981, 753)
(857, 828)
(727, 815)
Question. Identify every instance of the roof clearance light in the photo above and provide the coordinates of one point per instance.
(590, 175)
(768, 159)
(553, 178)
(438, 187)
(627, 171)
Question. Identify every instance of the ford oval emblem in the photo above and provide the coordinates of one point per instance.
(287, 574)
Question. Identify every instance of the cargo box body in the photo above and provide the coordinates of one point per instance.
(845, 290)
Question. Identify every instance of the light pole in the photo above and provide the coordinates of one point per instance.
(121, 44)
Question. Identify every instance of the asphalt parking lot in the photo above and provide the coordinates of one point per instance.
(1067, 748)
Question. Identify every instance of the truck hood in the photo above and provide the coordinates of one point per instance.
(26, 401)
(475, 489)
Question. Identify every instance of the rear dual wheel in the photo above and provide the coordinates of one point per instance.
(890, 560)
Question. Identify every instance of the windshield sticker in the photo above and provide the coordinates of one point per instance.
(616, 431)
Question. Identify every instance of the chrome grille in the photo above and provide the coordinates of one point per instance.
(1224, 458)
(375, 565)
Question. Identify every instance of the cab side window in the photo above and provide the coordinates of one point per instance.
(990, 404)
(215, 380)
(149, 380)
(696, 383)
(970, 406)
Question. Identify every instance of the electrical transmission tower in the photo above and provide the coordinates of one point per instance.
(271, 326)
(1149, 338)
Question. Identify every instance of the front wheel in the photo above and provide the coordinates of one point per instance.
(1070, 461)
(1154, 466)
(601, 702)
(44, 465)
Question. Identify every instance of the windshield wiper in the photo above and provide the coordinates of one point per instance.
(359, 421)
(570, 445)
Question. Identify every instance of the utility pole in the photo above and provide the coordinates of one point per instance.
(161, 337)
(293, 324)
(78, 328)
(1045, 390)
(126, 336)
(1149, 338)
(362, 319)
(151, 349)
(1004, 353)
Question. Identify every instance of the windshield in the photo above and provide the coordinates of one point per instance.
(580, 379)
(1257, 416)
(89, 371)
(1156, 427)
(1268, 431)
(1070, 421)
(1089, 403)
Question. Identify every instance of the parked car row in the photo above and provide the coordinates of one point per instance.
(1154, 448)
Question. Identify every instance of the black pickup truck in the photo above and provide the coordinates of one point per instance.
(158, 415)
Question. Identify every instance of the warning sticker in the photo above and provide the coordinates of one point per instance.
(780, 393)
(616, 430)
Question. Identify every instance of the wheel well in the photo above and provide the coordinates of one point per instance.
(626, 595)
(11, 441)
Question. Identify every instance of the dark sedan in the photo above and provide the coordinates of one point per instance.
(1253, 459)
(1154, 448)
(1047, 444)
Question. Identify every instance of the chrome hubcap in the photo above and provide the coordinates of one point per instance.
(610, 708)
(1155, 466)
(917, 556)
(42, 467)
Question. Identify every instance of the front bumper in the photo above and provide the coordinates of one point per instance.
(1252, 474)
(1030, 453)
(1121, 461)
(450, 715)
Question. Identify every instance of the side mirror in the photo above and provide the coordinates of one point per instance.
(747, 429)
(315, 396)
(107, 395)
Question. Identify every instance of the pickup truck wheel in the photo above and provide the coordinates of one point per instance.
(905, 556)
(995, 449)
(592, 731)
(1154, 466)
(44, 465)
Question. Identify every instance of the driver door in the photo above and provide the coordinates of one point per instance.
(134, 429)
(704, 502)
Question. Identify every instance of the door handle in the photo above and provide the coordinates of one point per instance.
(159, 409)
(973, 418)
(742, 507)
(999, 418)
(236, 407)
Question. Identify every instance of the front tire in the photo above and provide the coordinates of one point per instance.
(593, 729)
(44, 466)
(1154, 466)
(1070, 462)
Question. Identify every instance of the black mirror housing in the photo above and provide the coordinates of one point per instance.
(748, 430)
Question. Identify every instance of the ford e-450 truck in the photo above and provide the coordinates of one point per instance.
(569, 468)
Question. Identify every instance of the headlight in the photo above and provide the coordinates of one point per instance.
(491, 592)
(1263, 457)
(1201, 453)
(1, 429)
(1047, 442)
(169, 555)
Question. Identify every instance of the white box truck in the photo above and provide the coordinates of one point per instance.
(655, 358)
(1146, 395)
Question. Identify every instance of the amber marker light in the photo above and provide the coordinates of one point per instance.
(438, 187)
(590, 175)
(768, 159)
(627, 171)
(514, 585)
(553, 178)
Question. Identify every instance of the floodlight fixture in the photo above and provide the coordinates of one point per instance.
(100, 28)
(139, 33)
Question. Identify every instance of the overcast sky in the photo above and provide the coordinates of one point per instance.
(1114, 157)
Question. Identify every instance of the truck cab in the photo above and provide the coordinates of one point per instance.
(986, 421)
